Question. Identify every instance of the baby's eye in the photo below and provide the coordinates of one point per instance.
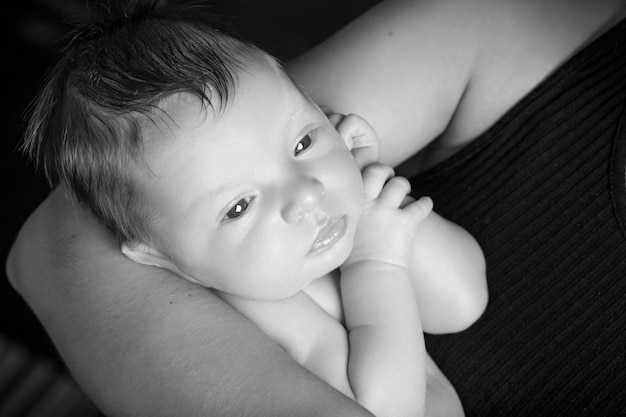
(239, 208)
(303, 145)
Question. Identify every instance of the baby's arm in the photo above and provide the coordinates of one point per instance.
(387, 357)
(448, 271)
(447, 265)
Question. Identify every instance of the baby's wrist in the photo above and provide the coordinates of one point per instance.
(389, 253)
(373, 265)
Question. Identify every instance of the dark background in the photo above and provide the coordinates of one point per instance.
(31, 35)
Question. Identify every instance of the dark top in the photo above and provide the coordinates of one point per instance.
(543, 191)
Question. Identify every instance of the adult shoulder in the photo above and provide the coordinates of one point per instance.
(520, 44)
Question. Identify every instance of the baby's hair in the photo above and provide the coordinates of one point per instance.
(84, 126)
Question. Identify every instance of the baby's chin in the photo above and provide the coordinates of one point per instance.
(332, 268)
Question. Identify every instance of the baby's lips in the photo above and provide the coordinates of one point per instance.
(330, 233)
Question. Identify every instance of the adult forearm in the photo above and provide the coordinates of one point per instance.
(143, 342)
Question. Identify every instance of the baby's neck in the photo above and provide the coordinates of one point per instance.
(325, 292)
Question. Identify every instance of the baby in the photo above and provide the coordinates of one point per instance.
(204, 158)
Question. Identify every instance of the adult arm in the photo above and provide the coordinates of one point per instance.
(141, 341)
(440, 72)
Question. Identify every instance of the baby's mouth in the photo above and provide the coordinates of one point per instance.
(329, 234)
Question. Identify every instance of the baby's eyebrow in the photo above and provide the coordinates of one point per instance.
(297, 109)
(211, 195)
(301, 89)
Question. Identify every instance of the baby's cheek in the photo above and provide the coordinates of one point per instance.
(270, 254)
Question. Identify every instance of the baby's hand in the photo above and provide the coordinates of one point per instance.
(387, 226)
(358, 136)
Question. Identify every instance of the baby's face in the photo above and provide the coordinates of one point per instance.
(257, 200)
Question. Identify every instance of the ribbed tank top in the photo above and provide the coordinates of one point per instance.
(544, 193)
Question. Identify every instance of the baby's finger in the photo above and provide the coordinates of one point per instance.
(374, 178)
(420, 208)
(394, 192)
(407, 200)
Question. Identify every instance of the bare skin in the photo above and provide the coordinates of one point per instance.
(143, 343)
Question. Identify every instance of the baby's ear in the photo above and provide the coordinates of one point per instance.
(145, 254)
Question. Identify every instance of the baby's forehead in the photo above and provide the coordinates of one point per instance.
(185, 110)
(181, 104)
(178, 111)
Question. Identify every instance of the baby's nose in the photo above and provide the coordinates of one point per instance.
(303, 196)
